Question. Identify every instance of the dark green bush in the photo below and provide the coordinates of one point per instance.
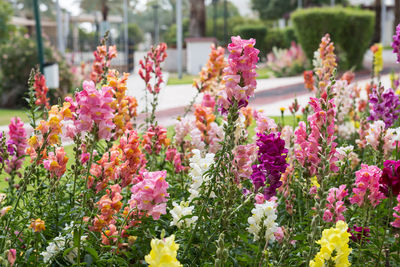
(18, 57)
(257, 32)
(351, 30)
(279, 38)
(5, 16)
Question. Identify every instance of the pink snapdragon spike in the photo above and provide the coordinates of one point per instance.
(396, 214)
(150, 194)
(240, 74)
(102, 59)
(367, 185)
(56, 163)
(264, 123)
(244, 156)
(335, 204)
(16, 145)
(151, 66)
(154, 139)
(12, 256)
(95, 108)
(174, 156)
(110, 234)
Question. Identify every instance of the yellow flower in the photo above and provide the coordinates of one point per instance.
(282, 109)
(336, 240)
(5, 210)
(163, 253)
(314, 182)
(37, 225)
(378, 61)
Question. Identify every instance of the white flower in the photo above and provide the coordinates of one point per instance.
(53, 248)
(344, 150)
(199, 166)
(264, 216)
(345, 130)
(343, 99)
(181, 210)
(374, 132)
(196, 141)
(240, 130)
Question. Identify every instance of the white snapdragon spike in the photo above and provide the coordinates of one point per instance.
(317, 62)
(345, 130)
(287, 135)
(198, 166)
(240, 130)
(195, 134)
(343, 99)
(181, 210)
(53, 248)
(373, 133)
(264, 216)
(344, 150)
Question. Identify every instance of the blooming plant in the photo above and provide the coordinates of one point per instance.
(92, 184)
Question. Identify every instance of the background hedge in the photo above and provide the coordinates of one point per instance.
(351, 30)
(258, 32)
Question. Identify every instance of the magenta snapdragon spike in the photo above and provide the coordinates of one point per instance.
(271, 164)
(359, 233)
(396, 214)
(16, 145)
(390, 179)
(95, 108)
(396, 43)
(384, 105)
(366, 186)
(335, 204)
(240, 74)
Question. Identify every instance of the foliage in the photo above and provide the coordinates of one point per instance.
(135, 34)
(280, 38)
(5, 16)
(19, 57)
(351, 30)
(258, 32)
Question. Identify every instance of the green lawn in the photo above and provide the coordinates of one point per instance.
(173, 79)
(7, 114)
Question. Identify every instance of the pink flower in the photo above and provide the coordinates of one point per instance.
(259, 198)
(110, 234)
(151, 67)
(264, 123)
(154, 139)
(95, 108)
(367, 186)
(12, 256)
(56, 163)
(244, 156)
(208, 101)
(215, 136)
(279, 235)
(183, 128)
(240, 74)
(335, 204)
(396, 214)
(150, 194)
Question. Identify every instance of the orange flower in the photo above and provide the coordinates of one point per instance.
(37, 225)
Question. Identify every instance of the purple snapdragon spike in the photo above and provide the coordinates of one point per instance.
(271, 163)
(384, 105)
(396, 43)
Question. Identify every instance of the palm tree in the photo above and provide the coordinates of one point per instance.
(197, 25)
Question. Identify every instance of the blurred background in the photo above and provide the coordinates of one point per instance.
(287, 34)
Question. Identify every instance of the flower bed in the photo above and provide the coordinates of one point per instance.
(323, 193)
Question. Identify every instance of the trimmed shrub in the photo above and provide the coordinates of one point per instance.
(279, 38)
(257, 32)
(351, 30)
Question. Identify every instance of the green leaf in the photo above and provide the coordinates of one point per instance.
(92, 252)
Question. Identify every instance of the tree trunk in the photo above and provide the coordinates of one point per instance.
(197, 26)
(104, 9)
(377, 34)
(396, 13)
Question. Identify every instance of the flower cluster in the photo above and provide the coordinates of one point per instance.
(56, 163)
(308, 76)
(359, 233)
(175, 157)
(152, 65)
(198, 166)
(334, 241)
(335, 204)
(37, 225)
(211, 73)
(240, 74)
(244, 158)
(324, 62)
(95, 109)
(271, 163)
(378, 61)
(263, 218)
(102, 59)
(154, 139)
(367, 186)
(390, 178)
(396, 214)
(16, 144)
(163, 252)
(396, 43)
(150, 194)
(384, 105)
(180, 211)
(41, 91)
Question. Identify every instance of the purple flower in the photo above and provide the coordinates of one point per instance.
(396, 43)
(271, 164)
(384, 105)
(358, 233)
